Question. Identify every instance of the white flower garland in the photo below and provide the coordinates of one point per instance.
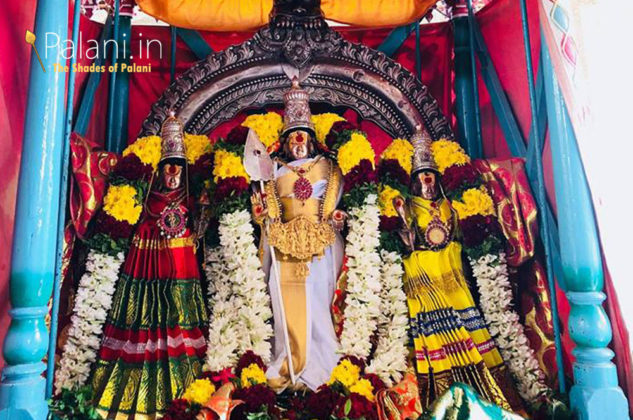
(241, 308)
(92, 303)
(362, 301)
(390, 358)
(491, 272)
(223, 339)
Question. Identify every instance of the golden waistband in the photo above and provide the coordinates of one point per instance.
(163, 243)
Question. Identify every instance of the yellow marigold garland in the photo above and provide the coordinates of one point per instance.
(448, 153)
(199, 392)
(267, 126)
(364, 388)
(227, 165)
(346, 373)
(323, 123)
(252, 375)
(196, 146)
(474, 201)
(147, 149)
(121, 203)
(351, 153)
(400, 150)
(385, 200)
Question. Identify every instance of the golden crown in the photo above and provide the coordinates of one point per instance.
(297, 113)
(422, 154)
(172, 137)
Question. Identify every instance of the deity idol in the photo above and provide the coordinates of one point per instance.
(302, 251)
(153, 345)
(451, 340)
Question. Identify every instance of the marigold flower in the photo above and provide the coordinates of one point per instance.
(267, 126)
(356, 149)
(121, 203)
(199, 391)
(400, 150)
(147, 149)
(385, 201)
(252, 375)
(196, 146)
(474, 201)
(448, 153)
(323, 124)
(228, 165)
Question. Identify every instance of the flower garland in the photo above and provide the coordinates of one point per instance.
(223, 331)
(92, 302)
(491, 272)
(483, 245)
(389, 361)
(323, 124)
(240, 304)
(355, 157)
(362, 300)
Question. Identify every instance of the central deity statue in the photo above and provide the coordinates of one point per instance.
(302, 250)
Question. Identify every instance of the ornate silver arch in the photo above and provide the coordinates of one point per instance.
(255, 74)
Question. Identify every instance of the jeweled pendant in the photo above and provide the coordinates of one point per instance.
(302, 189)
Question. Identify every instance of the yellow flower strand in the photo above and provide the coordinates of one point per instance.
(448, 153)
(196, 146)
(474, 201)
(323, 124)
(199, 392)
(400, 150)
(227, 165)
(267, 126)
(385, 200)
(121, 203)
(147, 149)
(252, 375)
(355, 150)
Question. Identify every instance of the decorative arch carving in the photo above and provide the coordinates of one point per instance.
(255, 74)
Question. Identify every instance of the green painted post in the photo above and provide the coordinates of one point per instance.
(466, 101)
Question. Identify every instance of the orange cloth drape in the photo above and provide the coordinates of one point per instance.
(246, 15)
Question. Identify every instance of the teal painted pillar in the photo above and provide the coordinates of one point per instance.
(121, 93)
(595, 394)
(34, 242)
(466, 100)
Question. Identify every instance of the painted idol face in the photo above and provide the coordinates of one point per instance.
(172, 175)
(425, 184)
(299, 145)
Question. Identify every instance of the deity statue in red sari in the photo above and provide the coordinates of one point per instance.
(154, 342)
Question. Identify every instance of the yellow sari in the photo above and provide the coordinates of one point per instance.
(451, 340)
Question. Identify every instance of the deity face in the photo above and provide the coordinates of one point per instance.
(425, 184)
(299, 145)
(172, 175)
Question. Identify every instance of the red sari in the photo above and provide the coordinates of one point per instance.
(153, 344)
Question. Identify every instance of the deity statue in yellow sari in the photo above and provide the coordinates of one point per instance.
(451, 339)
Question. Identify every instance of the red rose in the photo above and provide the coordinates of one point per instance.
(363, 173)
(389, 224)
(391, 169)
(180, 409)
(112, 227)
(248, 359)
(229, 186)
(131, 168)
(458, 176)
(254, 398)
(237, 135)
(323, 403)
(361, 408)
(202, 166)
(337, 128)
(475, 229)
